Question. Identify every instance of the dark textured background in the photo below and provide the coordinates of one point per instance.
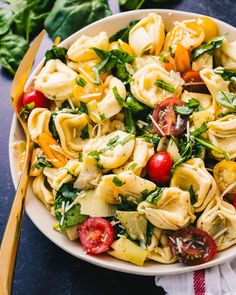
(42, 267)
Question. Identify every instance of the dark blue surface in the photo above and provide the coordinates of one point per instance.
(42, 267)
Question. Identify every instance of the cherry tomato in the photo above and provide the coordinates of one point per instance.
(191, 76)
(96, 235)
(166, 118)
(33, 95)
(192, 246)
(159, 168)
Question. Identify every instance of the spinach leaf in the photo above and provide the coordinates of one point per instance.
(193, 105)
(131, 4)
(124, 33)
(5, 20)
(127, 204)
(68, 16)
(208, 47)
(129, 121)
(137, 107)
(12, 50)
(226, 99)
(52, 126)
(164, 85)
(114, 60)
(227, 75)
(56, 53)
(64, 197)
(193, 197)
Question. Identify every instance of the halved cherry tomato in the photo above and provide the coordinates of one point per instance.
(168, 121)
(159, 168)
(96, 235)
(191, 76)
(209, 26)
(35, 96)
(192, 245)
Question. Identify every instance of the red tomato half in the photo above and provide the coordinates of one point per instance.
(166, 118)
(33, 95)
(192, 246)
(191, 76)
(159, 168)
(96, 235)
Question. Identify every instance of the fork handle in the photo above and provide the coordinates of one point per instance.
(11, 235)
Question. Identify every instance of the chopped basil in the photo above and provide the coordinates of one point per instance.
(164, 85)
(113, 141)
(95, 155)
(83, 107)
(193, 197)
(129, 122)
(203, 128)
(154, 196)
(127, 204)
(132, 166)
(208, 47)
(124, 33)
(72, 174)
(227, 75)
(117, 181)
(84, 132)
(80, 157)
(226, 99)
(80, 81)
(102, 117)
(25, 111)
(42, 162)
(120, 100)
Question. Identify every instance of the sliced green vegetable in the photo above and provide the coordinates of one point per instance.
(226, 99)
(164, 85)
(208, 47)
(68, 16)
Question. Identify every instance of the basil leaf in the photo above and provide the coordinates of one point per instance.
(84, 132)
(5, 20)
(154, 196)
(56, 53)
(25, 111)
(227, 75)
(183, 110)
(124, 33)
(191, 106)
(117, 181)
(164, 85)
(127, 204)
(12, 50)
(226, 99)
(113, 141)
(52, 126)
(208, 47)
(193, 197)
(129, 121)
(68, 16)
(120, 100)
(42, 162)
(203, 128)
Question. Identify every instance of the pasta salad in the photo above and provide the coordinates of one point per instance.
(135, 141)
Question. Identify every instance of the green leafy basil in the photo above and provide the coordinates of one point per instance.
(113, 141)
(227, 75)
(164, 85)
(42, 162)
(120, 99)
(12, 49)
(208, 47)
(117, 181)
(129, 121)
(226, 99)
(137, 107)
(193, 197)
(95, 155)
(84, 132)
(127, 204)
(64, 197)
(81, 82)
(114, 60)
(199, 131)
(154, 196)
(68, 16)
(124, 33)
(56, 53)
(52, 126)
(193, 105)
(25, 111)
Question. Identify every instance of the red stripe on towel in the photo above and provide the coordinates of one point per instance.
(199, 282)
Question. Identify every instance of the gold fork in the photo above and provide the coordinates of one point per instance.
(11, 235)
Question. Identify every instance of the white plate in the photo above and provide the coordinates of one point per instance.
(40, 215)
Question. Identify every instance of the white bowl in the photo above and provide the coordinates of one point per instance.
(41, 216)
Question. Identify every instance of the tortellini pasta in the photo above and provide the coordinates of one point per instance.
(173, 209)
(148, 35)
(38, 122)
(143, 85)
(42, 192)
(74, 131)
(204, 61)
(219, 220)
(81, 50)
(126, 184)
(108, 106)
(222, 133)
(55, 80)
(193, 175)
(112, 150)
(66, 174)
(228, 55)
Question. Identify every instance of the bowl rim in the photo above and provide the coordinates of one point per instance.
(123, 266)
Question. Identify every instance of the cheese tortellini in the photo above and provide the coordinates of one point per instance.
(144, 89)
(193, 175)
(148, 35)
(228, 54)
(81, 50)
(42, 192)
(173, 209)
(55, 80)
(222, 133)
(219, 220)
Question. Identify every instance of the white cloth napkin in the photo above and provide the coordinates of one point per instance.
(218, 280)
